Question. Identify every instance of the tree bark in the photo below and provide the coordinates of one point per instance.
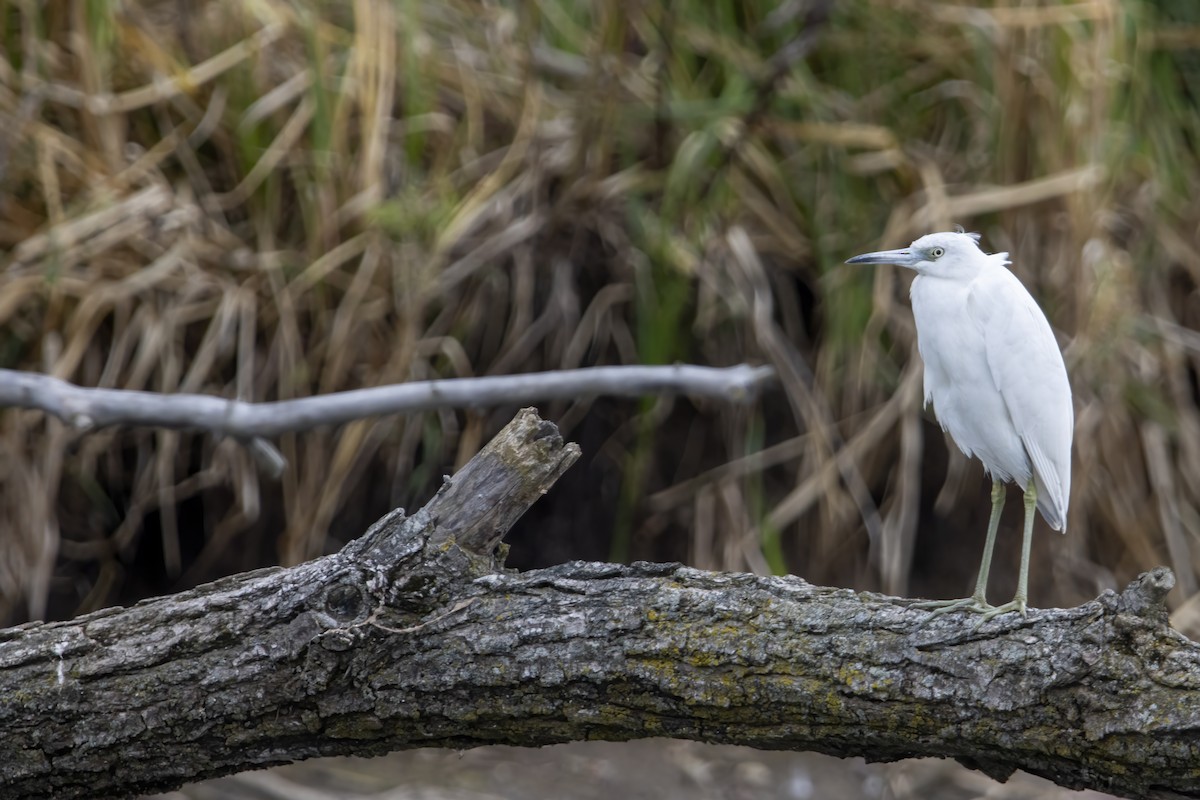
(414, 635)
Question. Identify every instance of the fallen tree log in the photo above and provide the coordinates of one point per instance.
(414, 635)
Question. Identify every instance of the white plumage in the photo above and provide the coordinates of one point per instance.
(997, 382)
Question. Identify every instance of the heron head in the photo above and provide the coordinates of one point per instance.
(945, 254)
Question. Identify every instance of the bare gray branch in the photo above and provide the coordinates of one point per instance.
(87, 407)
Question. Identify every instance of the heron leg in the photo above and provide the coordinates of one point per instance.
(1019, 600)
(978, 601)
(993, 524)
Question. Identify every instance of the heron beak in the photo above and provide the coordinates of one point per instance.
(903, 258)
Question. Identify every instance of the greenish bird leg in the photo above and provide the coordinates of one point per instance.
(1022, 595)
(993, 524)
(978, 601)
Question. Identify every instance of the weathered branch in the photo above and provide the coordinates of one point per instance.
(85, 408)
(414, 635)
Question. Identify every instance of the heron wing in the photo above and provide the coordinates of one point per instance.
(1028, 370)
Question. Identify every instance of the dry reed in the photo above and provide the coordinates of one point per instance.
(272, 200)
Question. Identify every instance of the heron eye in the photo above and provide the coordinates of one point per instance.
(937, 252)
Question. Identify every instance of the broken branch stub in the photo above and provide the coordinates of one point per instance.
(258, 669)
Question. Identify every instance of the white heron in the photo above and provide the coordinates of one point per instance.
(998, 385)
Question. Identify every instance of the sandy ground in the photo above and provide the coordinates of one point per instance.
(653, 769)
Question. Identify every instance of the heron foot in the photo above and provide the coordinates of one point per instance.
(973, 605)
(938, 607)
(1016, 604)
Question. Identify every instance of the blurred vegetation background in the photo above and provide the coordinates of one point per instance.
(272, 199)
